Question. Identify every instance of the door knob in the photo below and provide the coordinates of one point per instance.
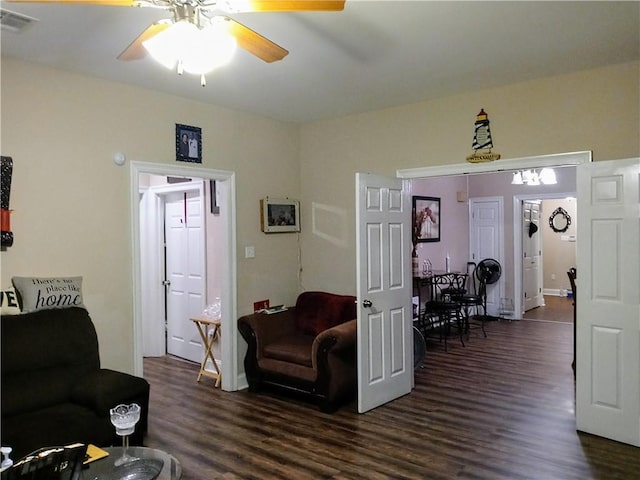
(367, 303)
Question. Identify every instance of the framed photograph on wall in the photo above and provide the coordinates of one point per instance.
(188, 143)
(279, 215)
(426, 219)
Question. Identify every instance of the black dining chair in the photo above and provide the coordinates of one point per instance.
(443, 312)
(473, 298)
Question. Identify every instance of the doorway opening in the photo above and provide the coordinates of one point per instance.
(554, 278)
(179, 246)
(188, 199)
(473, 231)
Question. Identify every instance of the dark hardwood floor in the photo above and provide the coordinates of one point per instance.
(500, 408)
(555, 309)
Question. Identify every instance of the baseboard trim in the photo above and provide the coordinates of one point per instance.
(554, 292)
(242, 381)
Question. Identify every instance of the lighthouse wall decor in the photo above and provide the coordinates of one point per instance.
(482, 143)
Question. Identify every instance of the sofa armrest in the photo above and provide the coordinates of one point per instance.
(334, 359)
(103, 389)
(259, 330)
(334, 339)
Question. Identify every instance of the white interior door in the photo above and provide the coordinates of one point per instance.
(185, 260)
(383, 243)
(531, 255)
(608, 300)
(485, 241)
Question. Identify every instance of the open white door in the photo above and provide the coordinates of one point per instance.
(608, 300)
(383, 240)
(531, 255)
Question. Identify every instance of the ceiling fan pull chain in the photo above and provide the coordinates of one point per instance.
(203, 80)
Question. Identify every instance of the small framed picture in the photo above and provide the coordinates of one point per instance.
(426, 219)
(188, 144)
(279, 215)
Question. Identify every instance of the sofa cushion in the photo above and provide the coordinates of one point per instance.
(318, 311)
(291, 348)
(46, 293)
(300, 377)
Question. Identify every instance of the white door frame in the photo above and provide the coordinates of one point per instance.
(229, 329)
(517, 242)
(524, 163)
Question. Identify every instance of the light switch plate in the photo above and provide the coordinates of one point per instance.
(250, 252)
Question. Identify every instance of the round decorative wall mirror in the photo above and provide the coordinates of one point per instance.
(559, 220)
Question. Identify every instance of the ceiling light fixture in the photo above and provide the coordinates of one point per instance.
(547, 176)
(530, 177)
(517, 179)
(192, 45)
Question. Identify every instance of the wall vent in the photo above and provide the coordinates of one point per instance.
(15, 22)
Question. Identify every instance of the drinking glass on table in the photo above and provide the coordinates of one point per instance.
(124, 418)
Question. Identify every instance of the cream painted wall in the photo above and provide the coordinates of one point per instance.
(594, 110)
(71, 203)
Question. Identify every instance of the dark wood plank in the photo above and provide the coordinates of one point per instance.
(500, 408)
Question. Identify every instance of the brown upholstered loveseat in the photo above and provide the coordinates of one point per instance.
(309, 348)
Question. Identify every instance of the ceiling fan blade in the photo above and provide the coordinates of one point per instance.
(115, 3)
(288, 5)
(255, 43)
(135, 50)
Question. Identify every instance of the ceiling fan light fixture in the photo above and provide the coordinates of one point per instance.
(166, 47)
(211, 48)
(196, 50)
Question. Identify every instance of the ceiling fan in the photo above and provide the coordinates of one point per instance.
(201, 35)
